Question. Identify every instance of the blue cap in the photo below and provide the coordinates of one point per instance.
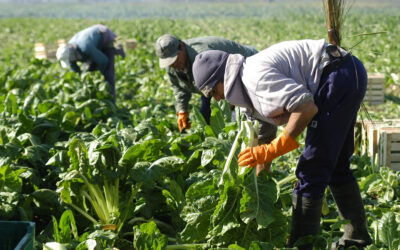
(209, 69)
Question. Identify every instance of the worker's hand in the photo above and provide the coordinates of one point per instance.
(252, 156)
(183, 120)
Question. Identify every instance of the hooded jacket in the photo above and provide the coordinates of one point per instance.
(276, 80)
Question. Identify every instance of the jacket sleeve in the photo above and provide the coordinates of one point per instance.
(182, 96)
(99, 58)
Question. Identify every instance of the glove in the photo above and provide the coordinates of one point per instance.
(264, 153)
(183, 120)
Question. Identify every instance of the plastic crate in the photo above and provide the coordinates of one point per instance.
(18, 235)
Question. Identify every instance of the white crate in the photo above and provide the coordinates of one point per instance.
(389, 147)
(370, 136)
(45, 51)
(375, 89)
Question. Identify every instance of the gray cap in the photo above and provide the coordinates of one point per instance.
(209, 69)
(167, 47)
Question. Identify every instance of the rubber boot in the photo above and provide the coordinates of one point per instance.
(306, 216)
(349, 202)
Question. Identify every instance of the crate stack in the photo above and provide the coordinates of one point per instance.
(48, 51)
(381, 142)
(45, 51)
(40, 51)
(375, 89)
(130, 44)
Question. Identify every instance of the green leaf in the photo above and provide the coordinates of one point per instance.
(149, 237)
(225, 216)
(258, 198)
(388, 229)
(255, 245)
(67, 227)
(149, 150)
(207, 156)
(202, 197)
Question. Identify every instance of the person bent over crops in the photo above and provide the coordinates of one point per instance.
(94, 46)
(305, 83)
(177, 57)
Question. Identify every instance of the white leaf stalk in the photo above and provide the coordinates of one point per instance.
(252, 139)
(246, 129)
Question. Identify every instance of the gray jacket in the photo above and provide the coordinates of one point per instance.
(183, 82)
(276, 80)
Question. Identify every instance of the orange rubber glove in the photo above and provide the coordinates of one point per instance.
(252, 156)
(183, 120)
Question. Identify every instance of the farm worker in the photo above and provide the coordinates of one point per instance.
(177, 57)
(94, 46)
(305, 83)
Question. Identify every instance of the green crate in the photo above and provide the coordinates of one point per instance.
(18, 235)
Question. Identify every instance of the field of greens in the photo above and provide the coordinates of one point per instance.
(96, 175)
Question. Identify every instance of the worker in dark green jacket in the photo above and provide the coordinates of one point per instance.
(177, 57)
(94, 47)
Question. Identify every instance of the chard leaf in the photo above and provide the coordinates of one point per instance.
(174, 196)
(169, 164)
(149, 150)
(46, 200)
(258, 197)
(10, 189)
(201, 200)
(256, 245)
(148, 236)
(388, 229)
(207, 156)
(226, 213)
(141, 172)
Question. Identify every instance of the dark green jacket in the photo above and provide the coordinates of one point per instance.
(183, 82)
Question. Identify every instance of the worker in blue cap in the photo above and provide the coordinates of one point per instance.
(303, 84)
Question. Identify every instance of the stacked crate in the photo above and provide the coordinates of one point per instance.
(130, 44)
(61, 42)
(389, 147)
(40, 51)
(45, 51)
(375, 89)
(381, 142)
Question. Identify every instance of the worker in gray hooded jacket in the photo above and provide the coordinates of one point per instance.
(177, 57)
(94, 46)
(306, 83)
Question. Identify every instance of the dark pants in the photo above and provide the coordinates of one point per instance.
(205, 109)
(330, 135)
(109, 73)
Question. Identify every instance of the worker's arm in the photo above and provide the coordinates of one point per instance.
(286, 142)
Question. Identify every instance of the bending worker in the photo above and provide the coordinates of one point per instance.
(177, 57)
(94, 46)
(305, 83)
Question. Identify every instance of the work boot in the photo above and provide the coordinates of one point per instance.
(349, 202)
(306, 216)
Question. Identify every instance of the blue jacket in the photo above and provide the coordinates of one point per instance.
(90, 42)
